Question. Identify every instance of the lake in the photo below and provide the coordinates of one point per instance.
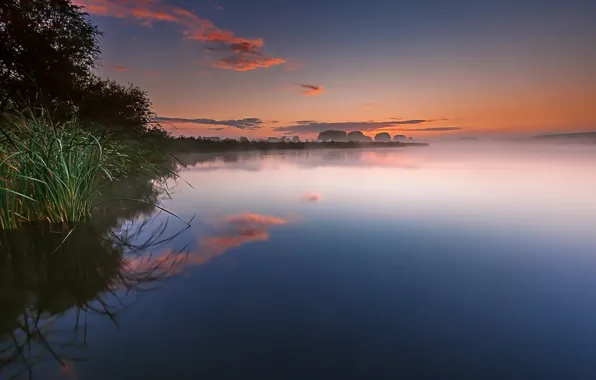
(454, 261)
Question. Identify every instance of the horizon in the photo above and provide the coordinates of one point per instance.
(228, 68)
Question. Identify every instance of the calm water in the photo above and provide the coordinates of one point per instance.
(447, 262)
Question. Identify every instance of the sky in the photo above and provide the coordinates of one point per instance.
(423, 68)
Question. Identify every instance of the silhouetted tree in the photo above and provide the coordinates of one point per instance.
(358, 136)
(48, 49)
(399, 138)
(332, 135)
(382, 137)
(119, 108)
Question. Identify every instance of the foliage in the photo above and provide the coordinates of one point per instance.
(48, 49)
(332, 135)
(119, 109)
(47, 270)
(383, 136)
(51, 171)
(358, 136)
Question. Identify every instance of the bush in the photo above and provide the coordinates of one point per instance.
(51, 172)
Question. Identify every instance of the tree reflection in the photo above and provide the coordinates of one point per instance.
(254, 161)
(47, 270)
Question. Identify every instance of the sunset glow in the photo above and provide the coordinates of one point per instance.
(417, 68)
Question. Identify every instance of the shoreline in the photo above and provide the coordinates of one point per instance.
(206, 146)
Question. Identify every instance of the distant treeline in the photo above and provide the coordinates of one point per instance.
(575, 136)
(192, 144)
(358, 136)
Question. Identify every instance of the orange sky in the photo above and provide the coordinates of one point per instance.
(219, 69)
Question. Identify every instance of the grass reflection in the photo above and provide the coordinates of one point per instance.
(47, 270)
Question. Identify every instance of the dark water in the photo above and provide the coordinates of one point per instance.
(434, 263)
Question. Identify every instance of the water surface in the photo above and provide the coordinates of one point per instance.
(466, 261)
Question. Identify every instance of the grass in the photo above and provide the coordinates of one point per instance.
(51, 172)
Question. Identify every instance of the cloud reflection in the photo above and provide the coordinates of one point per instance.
(247, 161)
(67, 369)
(312, 197)
(229, 232)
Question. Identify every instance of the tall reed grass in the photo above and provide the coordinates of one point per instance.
(51, 171)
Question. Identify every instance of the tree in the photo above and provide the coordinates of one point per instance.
(332, 135)
(358, 136)
(116, 107)
(48, 49)
(383, 136)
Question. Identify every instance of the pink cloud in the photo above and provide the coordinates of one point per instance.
(244, 54)
(230, 232)
(312, 197)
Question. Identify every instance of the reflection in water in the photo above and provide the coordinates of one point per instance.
(230, 232)
(256, 161)
(471, 262)
(238, 230)
(47, 270)
(312, 197)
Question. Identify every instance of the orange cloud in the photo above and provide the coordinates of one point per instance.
(97, 9)
(245, 53)
(243, 63)
(311, 89)
(210, 33)
(121, 68)
(143, 10)
(184, 13)
(254, 220)
(231, 232)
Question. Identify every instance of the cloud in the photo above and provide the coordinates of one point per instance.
(242, 54)
(235, 231)
(316, 127)
(120, 68)
(216, 5)
(249, 220)
(312, 197)
(311, 89)
(247, 62)
(368, 104)
(249, 123)
(433, 129)
(230, 232)
(216, 129)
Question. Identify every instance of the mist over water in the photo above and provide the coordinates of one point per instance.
(458, 260)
